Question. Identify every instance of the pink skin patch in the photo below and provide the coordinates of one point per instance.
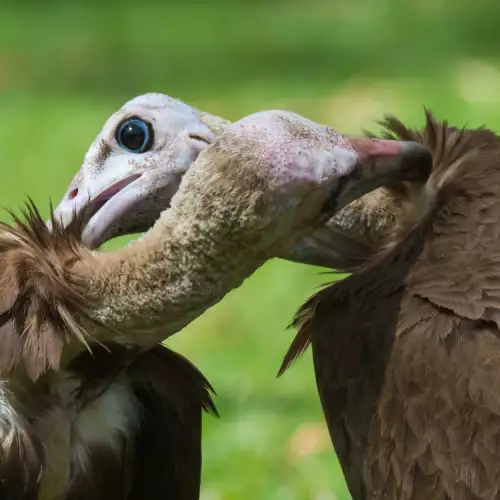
(73, 194)
(375, 147)
(291, 148)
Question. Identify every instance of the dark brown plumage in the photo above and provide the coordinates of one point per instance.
(407, 350)
(162, 458)
(158, 457)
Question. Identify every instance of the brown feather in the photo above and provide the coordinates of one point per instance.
(162, 458)
(39, 299)
(407, 350)
(41, 308)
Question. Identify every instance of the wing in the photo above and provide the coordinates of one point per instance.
(167, 450)
(411, 395)
(435, 433)
(410, 389)
(352, 326)
(467, 281)
(160, 457)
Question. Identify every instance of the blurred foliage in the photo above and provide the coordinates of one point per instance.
(118, 48)
(65, 66)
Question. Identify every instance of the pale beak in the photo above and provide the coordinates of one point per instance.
(118, 198)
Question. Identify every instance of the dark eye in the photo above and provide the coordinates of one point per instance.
(135, 135)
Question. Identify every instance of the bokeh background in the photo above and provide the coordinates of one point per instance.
(66, 66)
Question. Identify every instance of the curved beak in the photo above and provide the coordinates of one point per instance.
(122, 197)
(103, 207)
(142, 197)
(381, 162)
(78, 198)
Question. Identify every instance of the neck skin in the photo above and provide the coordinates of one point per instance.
(212, 237)
(186, 263)
(192, 257)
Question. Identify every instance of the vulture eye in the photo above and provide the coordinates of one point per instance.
(135, 135)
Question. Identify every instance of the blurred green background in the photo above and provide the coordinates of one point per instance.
(66, 66)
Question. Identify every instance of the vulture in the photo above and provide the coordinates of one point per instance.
(136, 163)
(263, 184)
(406, 349)
(116, 422)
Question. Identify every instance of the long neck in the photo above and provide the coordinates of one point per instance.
(156, 286)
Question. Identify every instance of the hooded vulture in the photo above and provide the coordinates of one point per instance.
(407, 349)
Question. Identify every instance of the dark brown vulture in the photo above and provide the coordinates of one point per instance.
(407, 349)
(78, 424)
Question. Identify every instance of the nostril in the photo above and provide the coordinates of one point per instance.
(200, 138)
(73, 194)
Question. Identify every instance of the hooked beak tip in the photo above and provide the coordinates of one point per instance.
(416, 162)
(395, 160)
(382, 162)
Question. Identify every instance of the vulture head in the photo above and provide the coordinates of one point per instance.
(135, 165)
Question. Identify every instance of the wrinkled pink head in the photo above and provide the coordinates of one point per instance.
(302, 162)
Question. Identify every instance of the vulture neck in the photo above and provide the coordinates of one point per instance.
(156, 286)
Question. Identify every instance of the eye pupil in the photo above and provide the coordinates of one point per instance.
(135, 135)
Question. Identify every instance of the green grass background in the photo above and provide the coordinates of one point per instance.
(65, 66)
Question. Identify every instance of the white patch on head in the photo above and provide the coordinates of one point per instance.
(169, 117)
(179, 135)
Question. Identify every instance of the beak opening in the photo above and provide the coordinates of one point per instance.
(81, 209)
(381, 162)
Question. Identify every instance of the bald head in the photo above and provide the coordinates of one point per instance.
(289, 175)
(134, 166)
